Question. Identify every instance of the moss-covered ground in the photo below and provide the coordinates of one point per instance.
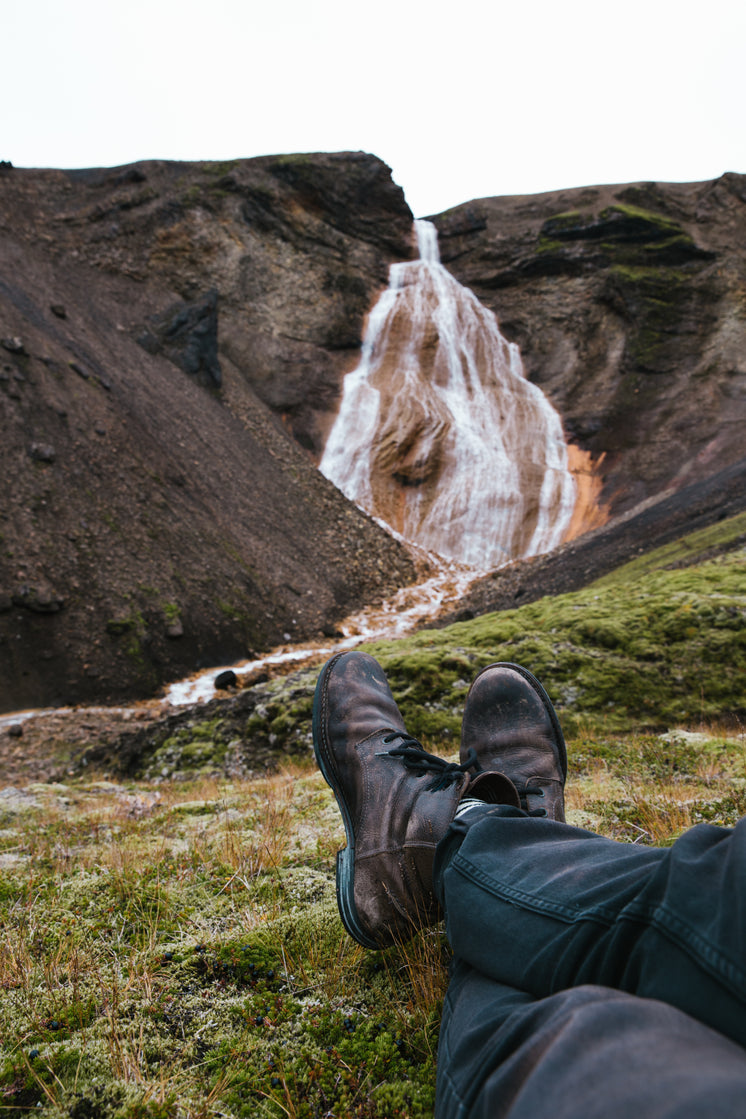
(170, 947)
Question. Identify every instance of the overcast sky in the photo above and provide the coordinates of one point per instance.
(462, 99)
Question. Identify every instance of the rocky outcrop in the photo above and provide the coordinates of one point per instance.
(187, 334)
(165, 329)
(629, 306)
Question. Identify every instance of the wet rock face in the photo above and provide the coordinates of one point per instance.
(165, 330)
(628, 305)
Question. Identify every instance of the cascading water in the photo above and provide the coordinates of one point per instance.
(439, 433)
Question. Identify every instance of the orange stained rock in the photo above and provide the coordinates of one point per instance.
(589, 512)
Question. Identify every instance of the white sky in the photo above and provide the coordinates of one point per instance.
(462, 100)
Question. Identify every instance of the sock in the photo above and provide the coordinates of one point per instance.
(467, 804)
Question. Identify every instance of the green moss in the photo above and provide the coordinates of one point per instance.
(548, 245)
(655, 225)
(646, 275)
(563, 225)
(128, 623)
(568, 219)
(655, 299)
(202, 746)
(628, 238)
(229, 609)
(192, 196)
(684, 551)
(293, 160)
(594, 651)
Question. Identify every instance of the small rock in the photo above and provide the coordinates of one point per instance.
(42, 452)
(13, 345)
(226, 679)
(58, 310)
(40, 599)
(131, 175)
(15, 731)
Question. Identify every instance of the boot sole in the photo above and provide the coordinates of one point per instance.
(345, 869)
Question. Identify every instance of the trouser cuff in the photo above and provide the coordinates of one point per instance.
(456, 835)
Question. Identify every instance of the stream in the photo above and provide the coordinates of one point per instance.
(410, 608)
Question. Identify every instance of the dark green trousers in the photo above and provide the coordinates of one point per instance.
(592, 978)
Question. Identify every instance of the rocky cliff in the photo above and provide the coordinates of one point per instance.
(165, 330)
(629, 306)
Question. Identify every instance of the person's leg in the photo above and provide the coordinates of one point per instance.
(588, 1052)
(535, 904)
(542, 906)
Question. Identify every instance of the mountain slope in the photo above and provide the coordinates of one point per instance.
(156, 513)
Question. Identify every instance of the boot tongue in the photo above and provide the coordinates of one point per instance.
(493, 788)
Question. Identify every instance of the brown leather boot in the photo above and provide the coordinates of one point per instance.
(510, 725)
(397, 801)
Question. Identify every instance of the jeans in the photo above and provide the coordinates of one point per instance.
(591, 978)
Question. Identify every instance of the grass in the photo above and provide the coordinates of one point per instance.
(172, 948)
(170, 945)
(175, 950)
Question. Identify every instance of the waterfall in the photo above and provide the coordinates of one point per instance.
(440, 435)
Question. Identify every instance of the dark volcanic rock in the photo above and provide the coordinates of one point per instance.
(149, 527)
(629, 306)
(226, 679)
(187, 334)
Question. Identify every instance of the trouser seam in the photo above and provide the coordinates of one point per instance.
(444, 1064)
(568, 914)
(658, 917)
(700, 950)
(477, 1079)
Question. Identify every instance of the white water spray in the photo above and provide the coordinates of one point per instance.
(439, 433)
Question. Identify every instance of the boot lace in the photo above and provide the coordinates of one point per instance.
(534, 791)
(414, 756)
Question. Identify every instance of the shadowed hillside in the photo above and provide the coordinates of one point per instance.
(159, 326)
